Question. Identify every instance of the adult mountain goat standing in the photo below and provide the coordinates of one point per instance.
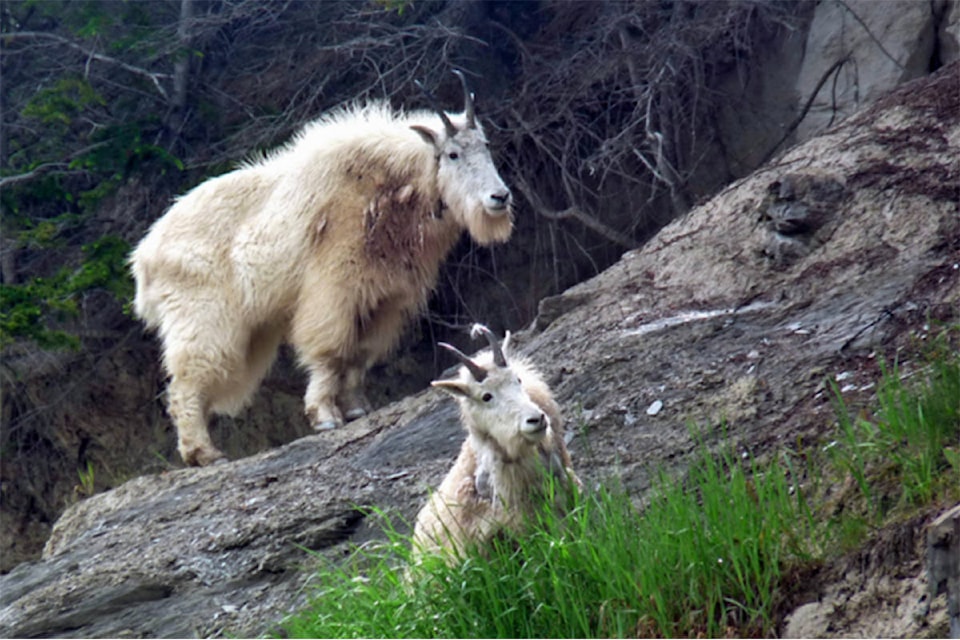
(331, 243)
(514, 447)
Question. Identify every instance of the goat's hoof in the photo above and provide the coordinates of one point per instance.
(205, 457)
(355, 413)
(325, 425)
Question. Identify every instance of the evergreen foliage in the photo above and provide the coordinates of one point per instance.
(78, 131)
(33, 310)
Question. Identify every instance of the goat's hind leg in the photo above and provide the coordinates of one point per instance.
(378, 338)
(208, 375)
(352, 400)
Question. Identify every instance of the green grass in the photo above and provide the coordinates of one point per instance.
(699, 559)
(87, 476)
(906, 453)
(705, 556)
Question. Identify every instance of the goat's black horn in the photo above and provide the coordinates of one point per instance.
(451, 130)
(482, 330)
(479, 373)
(467, 100)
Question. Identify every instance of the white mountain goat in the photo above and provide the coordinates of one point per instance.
(330, 243)
(514, 447)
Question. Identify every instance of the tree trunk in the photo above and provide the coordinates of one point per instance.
(181, 68)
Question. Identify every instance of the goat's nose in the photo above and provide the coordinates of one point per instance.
(501, 198)
(534, 426)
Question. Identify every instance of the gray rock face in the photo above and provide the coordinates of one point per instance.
(884, 44)
(712, 320)
(196, 551)
(847, 54)
(948, 30)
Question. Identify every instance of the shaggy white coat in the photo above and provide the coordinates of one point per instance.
(330, 243)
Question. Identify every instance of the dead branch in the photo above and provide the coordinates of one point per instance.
(50, 167)
(154, 78)
(585, 219)
(875, 39)
(835, 67)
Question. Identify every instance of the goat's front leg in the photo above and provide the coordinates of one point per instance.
(188, 409)
(322, 391)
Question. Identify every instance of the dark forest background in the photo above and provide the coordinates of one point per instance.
(597, 112)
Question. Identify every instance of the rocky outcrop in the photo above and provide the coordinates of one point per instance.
(943, 559)
(881, 590)
(948, 31)
(842, 55)
(816, 265)
(864, 49)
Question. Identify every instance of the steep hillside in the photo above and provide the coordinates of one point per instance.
(607, 119)
(839, 253)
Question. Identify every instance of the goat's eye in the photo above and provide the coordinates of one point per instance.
(453, 155)
(487, 397)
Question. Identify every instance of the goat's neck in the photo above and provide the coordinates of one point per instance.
(487, 447)
(505, 477)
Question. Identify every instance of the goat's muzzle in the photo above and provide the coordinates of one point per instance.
(498, 203)
(534, 427)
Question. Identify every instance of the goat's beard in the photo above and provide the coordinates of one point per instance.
(488, 228)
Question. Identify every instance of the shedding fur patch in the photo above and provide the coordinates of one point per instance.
(395, 223)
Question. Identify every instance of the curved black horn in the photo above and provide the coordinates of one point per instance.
(479, 373)
(479, 329)
(467, 100)
(451, 130)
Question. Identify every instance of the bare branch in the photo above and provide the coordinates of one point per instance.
(50, 167)
(870, 33)
(92, 55)
(573, 212)
(835, 67)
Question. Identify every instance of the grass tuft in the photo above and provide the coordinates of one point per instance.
(905, 455)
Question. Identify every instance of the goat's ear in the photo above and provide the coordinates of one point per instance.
(456, 388)
(429, 136)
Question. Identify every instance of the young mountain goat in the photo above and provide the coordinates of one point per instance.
(514, 445)
(331, 243)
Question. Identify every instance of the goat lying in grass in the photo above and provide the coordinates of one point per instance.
(513, 454)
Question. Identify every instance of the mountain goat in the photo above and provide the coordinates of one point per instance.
(514, 444)
(330, 243)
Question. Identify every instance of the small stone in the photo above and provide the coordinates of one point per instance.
(654, 408)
